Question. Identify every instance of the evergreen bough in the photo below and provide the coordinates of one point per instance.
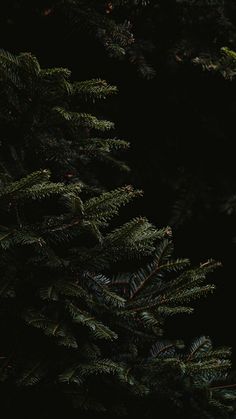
(80, 331)
(45, 121)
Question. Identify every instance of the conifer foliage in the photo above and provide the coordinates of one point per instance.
(149, 33)
(45, 120)
(76, 334)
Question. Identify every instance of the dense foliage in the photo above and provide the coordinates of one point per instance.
(169, 42)
(85, 299)
(78, 328)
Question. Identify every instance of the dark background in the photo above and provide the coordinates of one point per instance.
(181, 126)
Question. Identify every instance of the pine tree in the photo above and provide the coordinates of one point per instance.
(159, 37)
(80, 333)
